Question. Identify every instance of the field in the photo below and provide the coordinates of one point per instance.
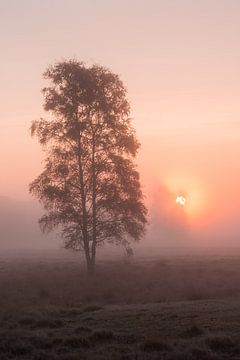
(181, 307)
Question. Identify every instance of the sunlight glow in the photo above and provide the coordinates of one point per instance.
(181, 200)
(190, 194)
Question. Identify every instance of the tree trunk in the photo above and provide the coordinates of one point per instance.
(90, 266)
(94, 207)
(83, 203)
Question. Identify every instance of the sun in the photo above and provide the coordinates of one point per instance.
(181, 200)
(189, 195)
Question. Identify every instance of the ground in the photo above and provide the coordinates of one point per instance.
(183, 308)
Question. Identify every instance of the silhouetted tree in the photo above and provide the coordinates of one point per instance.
(89, 187)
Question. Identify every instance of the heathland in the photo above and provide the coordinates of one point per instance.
(178, 307)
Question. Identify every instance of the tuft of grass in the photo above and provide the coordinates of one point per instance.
(220, 343)
(202, 354)
(193, 354)
(101, 335)
(82, 329)
(71, 312)
(88, 318)
(48, 323)
(19, 348)
(78, 356)
(127, 339)
(45, 355)
(44, 342)
(76, 342)
(26, 321)
(156, 344)
(92, 308)
(193, 331)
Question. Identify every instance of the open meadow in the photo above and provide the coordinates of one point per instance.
(160, 308)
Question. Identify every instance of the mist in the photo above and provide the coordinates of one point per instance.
(19, 228)
(110, 111)
(170, 230)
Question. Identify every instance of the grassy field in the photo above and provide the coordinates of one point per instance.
(164, 308)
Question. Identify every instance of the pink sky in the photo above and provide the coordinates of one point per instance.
(179, 60)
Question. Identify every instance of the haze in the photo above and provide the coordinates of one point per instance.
(180, 63)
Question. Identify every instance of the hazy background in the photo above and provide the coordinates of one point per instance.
(180, 63)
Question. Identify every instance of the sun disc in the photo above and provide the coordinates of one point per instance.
(181, 200)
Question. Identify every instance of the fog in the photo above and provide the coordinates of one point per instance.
(181, 71)
(170, 229)
(19, 228)
(171, 226)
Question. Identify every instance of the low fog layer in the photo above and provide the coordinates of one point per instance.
(19, 227)
(169, 227)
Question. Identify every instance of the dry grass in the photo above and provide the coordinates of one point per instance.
(63, 281)
(170, 309)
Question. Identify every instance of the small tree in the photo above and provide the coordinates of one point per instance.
(89, 187)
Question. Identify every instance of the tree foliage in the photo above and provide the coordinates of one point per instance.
(89, 186)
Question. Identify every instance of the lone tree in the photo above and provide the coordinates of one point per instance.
(89, 186)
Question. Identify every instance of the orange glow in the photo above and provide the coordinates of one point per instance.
(181, 70)
(192, 191)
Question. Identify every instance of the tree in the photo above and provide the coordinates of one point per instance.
(89, 186)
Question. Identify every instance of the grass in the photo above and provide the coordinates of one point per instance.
(44, 313)
(150, 331)
(156, 344)
(76, 342)
(92, 308)
(101, 336)
(221, 343)
(193, 331)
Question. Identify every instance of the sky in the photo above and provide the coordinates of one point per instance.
(179, 60)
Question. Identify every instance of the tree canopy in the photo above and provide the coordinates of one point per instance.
(89, 187)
